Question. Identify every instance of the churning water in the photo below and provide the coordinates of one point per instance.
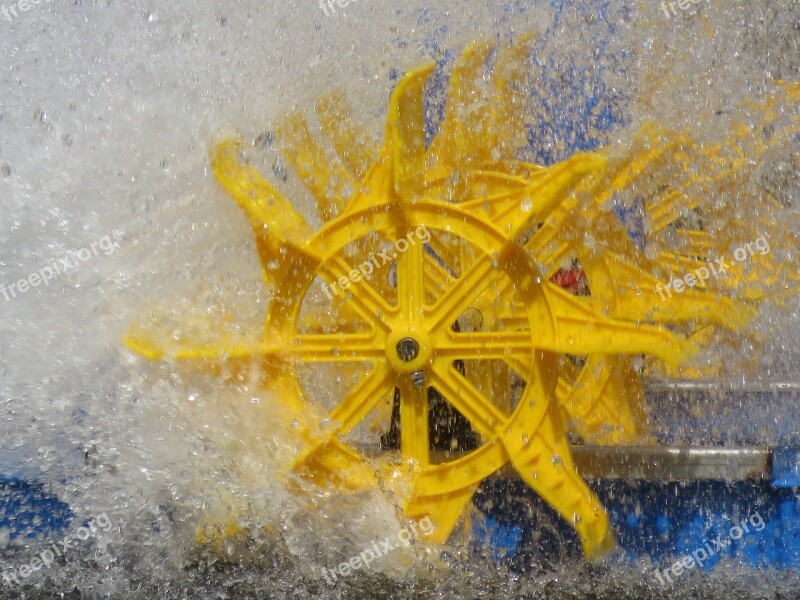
(107, 112)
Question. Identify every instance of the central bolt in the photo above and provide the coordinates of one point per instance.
(407, 349)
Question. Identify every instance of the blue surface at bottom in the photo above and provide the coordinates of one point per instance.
(28, 510)
(701, 522)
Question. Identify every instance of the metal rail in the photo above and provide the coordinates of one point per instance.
(671, 463)
(652, 463)
(702, 386)
(666, 463)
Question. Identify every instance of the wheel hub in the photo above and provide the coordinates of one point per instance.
(408, 350)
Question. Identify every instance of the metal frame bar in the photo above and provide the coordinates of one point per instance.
(663, 463)
(651, 463)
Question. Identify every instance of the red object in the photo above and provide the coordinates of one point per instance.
(572, 280)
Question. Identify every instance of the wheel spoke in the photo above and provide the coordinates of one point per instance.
(482, 414)
(414, 442)
(485, 345)
(463, 292)
(360, 295)
(336, 348)
(521, 366)
(436, 276)
(411, 282)
(513, 319)
(361, 400)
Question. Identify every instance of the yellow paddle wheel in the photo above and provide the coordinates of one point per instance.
(433, 286)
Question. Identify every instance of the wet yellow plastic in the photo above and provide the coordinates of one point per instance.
(500, 228)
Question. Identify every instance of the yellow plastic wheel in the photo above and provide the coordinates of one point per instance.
(411, 344)
(429, 281)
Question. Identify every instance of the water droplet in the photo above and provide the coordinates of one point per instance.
(265, 139)
(280, 170)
